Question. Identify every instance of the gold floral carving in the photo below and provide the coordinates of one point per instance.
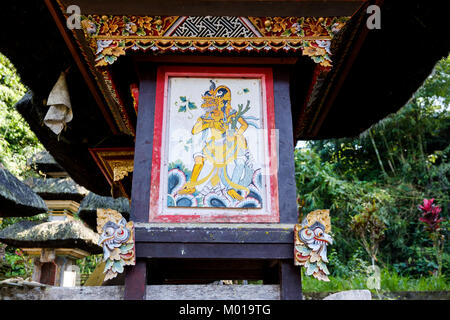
(322, 216)
(112, 36)
(121, 168)
(105, 215)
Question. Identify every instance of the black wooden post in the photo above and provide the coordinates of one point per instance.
(136, 277)
(136, 281)
(286, 167)
(290, 281)
(290, 276)
(140, 199)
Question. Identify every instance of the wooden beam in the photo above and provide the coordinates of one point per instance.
(237, 233)
(81, 66)
(262, 8)
(215, 250)
(69, 205)
(200, 59)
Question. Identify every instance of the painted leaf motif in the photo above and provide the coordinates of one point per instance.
(126, 247)
(318, 59)
(246, 90)
(322, 266)
(310, 268)
(182, 109)
(118, 266)
(110, 59)
(192, 106)
(303, 250)
(183, 99)
(286, 33)
(140, 32)
(108, 265)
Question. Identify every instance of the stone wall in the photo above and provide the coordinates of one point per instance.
(185, 292)
(155, 292)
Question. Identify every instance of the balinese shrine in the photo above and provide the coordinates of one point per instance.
(67, 229)
(191, 110)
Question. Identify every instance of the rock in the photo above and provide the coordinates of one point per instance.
(350, 295)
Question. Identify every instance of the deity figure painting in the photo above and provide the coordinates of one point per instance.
(214, 166)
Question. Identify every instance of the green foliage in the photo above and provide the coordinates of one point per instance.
(355, 265)
(320, 186)
(370, 229)
(88, 264)
(15, 263)
(391, 281)
(17, 144)
(395, 165)
(17, 141)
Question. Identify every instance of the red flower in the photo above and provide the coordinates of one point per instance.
(427, 205)
(430, 215)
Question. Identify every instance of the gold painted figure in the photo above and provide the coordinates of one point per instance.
(226, 144)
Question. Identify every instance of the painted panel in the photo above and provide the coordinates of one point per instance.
(214, 156)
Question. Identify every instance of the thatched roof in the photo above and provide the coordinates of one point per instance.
(57, 188)
(53, 234)
(16, 198)
(88, 208)
(43, 161)
(375, 72)
(40, 58)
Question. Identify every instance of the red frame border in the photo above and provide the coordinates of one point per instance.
(163, 74)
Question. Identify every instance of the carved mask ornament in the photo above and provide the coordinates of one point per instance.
(117, 240)
(312, 237)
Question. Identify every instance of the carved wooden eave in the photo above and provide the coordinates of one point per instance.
(110, 37)
(327, 81)
(121, 168)
(68, 252)
(62, 207)
(105, 39)
(116, 164)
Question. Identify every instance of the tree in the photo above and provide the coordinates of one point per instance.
(17, 144)
(17, 141)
